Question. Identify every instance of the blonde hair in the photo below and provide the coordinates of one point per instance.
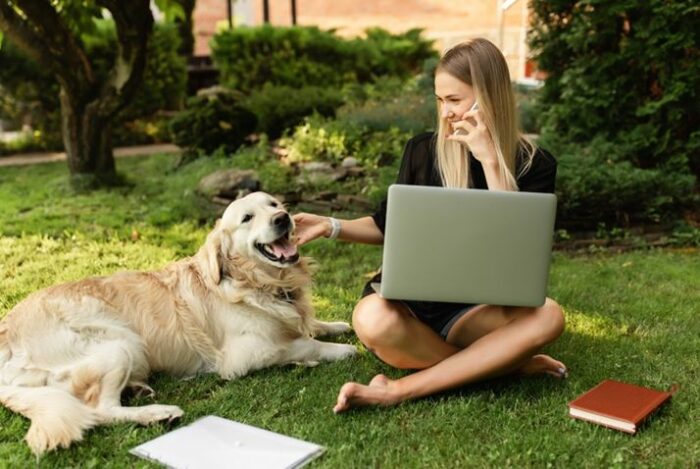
(480, 64)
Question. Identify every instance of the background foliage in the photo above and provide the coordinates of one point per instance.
(621, 104)
(213, 122)
(25, 86)
(248, 57)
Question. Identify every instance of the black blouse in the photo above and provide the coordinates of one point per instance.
(419, 167)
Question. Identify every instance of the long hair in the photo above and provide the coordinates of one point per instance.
(480, 64)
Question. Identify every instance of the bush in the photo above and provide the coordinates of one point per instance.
(248, 58)
(212, 122)
(625, 73)
(143, 131)
(26, 143)
(280, 107)
(528, 110)
(390, 102)
(598, 184)
(399, 55)
(332, 140)
(411, 113)
(29, 95)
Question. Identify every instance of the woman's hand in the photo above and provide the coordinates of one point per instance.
(472, 131)
(310, 227)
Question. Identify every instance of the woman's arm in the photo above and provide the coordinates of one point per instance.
(492, 173)
(367, 230)
(360, 230)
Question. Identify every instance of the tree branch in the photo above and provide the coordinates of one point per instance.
(59, 40)
(134, 23)
(23, 36)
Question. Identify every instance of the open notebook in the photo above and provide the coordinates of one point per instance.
(215, 442)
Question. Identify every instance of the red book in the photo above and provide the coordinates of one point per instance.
(617, 405)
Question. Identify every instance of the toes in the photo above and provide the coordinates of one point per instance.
(342, 403)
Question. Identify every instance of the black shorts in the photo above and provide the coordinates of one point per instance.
(439, 316)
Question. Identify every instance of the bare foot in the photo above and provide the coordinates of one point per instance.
(379, 391)
(544, 364)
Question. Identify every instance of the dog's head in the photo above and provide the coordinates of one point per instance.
(256, 228)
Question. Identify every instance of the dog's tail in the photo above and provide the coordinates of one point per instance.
(58, 418)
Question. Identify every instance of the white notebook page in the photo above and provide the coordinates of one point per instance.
(214, 442)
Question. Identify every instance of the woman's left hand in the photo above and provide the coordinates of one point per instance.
(476, 137)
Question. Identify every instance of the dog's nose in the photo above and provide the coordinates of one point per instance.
(281, 220)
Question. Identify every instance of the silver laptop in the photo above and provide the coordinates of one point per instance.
(467, 245)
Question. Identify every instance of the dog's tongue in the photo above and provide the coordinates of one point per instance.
(284, 248)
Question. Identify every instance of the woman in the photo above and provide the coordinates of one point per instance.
(478, 144)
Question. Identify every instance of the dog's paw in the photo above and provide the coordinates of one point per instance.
(142, 390)
(336, 328)
(157, 413)
(342, 351)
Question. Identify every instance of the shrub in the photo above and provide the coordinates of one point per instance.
(598, 184)
(398, 55)
(629, 74)
(29, 95)
(528, 110)
(25, 143)
(247, 58)
(212, 122)
(332, 140)
(143, 131)
(411, 113)
(390, 102)
(281, 107)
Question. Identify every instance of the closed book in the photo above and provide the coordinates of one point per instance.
(617, 405)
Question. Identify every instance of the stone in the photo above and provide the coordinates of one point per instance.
(317, 167)
(349, 162)
(325, 195)
(229, 183)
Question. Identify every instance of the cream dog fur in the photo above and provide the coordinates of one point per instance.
(240, 304)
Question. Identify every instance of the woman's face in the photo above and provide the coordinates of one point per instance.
(454, 96)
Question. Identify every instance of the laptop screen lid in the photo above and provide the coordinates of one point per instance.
(467, 245)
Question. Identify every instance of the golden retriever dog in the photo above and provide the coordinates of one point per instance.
(241, 303)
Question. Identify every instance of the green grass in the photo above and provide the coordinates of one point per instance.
(633, 317)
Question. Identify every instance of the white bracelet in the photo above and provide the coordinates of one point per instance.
(335, 228)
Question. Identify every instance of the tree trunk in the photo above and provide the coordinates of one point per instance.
(87, 138)
(88, 107)
(185, 28)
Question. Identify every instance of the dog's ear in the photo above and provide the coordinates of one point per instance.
(213, 257)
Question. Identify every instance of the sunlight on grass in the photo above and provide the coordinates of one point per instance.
(631, 316)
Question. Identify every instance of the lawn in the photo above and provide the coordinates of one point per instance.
(632, 317)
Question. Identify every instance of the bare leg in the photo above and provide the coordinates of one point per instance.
(493, 341)
(389, 330)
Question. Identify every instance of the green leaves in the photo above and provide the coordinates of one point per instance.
(171, 9)
(626, 73)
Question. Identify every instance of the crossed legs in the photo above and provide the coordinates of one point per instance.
(487, 341)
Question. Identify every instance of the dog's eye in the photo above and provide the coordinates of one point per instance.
(274, 204)
(247, 218)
